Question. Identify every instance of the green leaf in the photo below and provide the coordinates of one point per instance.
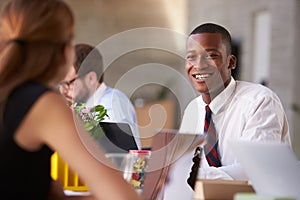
(91, 117)
(97, 133)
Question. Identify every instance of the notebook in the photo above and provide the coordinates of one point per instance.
(272, 168)
(117, 138)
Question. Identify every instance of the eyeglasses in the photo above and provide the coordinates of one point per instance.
(66, 84)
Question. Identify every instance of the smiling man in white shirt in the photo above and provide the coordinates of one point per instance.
(240, 110)
(84, 84)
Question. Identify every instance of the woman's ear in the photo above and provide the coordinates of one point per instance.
(232, 62)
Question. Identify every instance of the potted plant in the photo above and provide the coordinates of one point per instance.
(91, 117)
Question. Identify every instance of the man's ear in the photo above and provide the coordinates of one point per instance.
(232, 62)
(91, 78)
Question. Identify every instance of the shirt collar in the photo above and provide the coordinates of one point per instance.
(219, 101)
(99, 92)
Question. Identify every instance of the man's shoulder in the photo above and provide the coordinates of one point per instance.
(115, 91)
(116, 94)
(249, 88)
(254, 92)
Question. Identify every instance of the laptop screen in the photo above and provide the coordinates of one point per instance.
(117, 138)
(272, 168)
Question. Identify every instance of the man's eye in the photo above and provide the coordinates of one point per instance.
(211, 56)
(191, 57)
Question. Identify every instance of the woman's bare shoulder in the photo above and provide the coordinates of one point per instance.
(53, 99)
(52, 112)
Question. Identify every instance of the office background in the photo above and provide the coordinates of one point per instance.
(266, 41)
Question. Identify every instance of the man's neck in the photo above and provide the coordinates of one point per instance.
(98, 85)
(209, 96)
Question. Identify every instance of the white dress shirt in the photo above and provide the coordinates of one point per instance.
(119, 108)
(242, 111)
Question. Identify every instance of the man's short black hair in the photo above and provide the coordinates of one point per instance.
(214, 28)
(88, 58)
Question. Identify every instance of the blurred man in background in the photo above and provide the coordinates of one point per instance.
(84, 84)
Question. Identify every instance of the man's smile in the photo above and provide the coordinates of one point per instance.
(202, 76)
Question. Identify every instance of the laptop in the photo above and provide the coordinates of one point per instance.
(272, 168)
(118, 138)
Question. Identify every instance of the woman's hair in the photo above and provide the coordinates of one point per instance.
(33, 36)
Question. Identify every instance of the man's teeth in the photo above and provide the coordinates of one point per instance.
(201, 76)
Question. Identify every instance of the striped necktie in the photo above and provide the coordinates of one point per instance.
(211, 146)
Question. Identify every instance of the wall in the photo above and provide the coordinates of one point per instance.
(295, 89)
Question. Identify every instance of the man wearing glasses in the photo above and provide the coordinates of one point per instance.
(84, 84)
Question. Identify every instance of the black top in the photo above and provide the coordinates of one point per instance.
(23, 174)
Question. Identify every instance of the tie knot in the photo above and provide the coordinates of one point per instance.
(207, 108)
